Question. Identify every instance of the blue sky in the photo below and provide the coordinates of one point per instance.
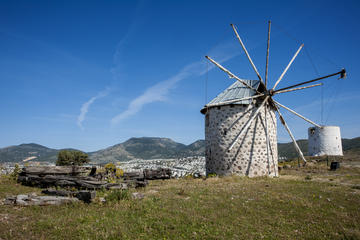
(91, 74)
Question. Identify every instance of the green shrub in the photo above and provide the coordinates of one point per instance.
(71, 157)
(14, 175)
(110, 167)
(188, 177)
(211, 175)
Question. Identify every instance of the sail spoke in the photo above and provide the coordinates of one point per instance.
(295, 89)
(246, 52)
(297, 114)
(282, 120)
(342, 74)
(230, 73)
(267, 55)
(287, 67)
(266, 128)
(247, 125)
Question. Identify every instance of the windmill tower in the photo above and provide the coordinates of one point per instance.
(240, 123)
(324, 141)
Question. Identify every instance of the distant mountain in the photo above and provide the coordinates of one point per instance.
(195, 149)
(147, 148)
(27, 152)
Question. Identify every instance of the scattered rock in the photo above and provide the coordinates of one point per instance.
(136, 183)
(31, 200)
(10, 200)
(86, 196)
(121, 186)
(83, 195)
(152, 191)
(137, 195)
(196, 175)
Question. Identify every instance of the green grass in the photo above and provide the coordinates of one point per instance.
(288, 207)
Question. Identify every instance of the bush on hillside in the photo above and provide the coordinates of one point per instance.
(71, 157)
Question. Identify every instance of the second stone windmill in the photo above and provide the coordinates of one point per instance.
(240, 123)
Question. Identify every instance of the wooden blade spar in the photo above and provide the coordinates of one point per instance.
(247, 125)
(287, 67)
(295, 89)
(267, 55)
(267, 140)
(342, 74)
(297, 114)
(246, 52)
(231, 74)
(282, 120)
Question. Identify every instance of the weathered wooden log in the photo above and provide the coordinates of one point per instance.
(149, 174)
(136, 183)
(161, 173)
(117, 186)
(53, 170)
(62, 181)
(54, 192)
(77, 182)
(134, 175)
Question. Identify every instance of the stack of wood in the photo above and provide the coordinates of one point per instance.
(78, 177)
(66, 176)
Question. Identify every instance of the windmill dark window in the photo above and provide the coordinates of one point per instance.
(207, 120)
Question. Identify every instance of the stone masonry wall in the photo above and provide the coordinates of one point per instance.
(249, 155)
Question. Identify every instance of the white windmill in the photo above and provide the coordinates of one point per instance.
(240, 123)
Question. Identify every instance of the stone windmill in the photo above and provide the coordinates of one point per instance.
(240, 123)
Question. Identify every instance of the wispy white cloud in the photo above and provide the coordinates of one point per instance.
(118, 57)
(85, 107)
(159, 91)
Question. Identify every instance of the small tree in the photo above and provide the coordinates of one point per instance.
(16, 172)
(71, 157)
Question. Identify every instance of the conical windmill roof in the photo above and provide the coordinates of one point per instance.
(237, 90)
